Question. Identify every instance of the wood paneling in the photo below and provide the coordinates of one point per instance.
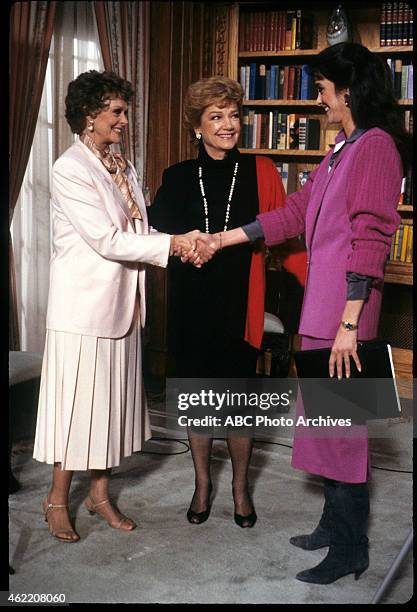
(181, 53)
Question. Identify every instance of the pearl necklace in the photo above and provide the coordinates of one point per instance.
(232, 187)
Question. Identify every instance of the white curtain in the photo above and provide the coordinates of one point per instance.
(74, 49)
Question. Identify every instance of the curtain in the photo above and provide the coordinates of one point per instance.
(74, 49)
(123, 29)
(31, 26)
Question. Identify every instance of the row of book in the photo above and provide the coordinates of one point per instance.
(402, 78)
(279, 131)
(262, 82)
(396, 25)
(402, 244)
(276, 30)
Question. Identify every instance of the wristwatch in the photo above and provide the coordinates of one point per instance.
(349, 326)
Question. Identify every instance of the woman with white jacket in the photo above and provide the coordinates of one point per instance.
(92, 408)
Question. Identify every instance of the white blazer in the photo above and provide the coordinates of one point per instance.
(98, 250)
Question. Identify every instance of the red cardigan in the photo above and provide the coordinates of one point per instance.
(271, 195)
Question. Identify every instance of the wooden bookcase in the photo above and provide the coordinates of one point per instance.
(365, 20)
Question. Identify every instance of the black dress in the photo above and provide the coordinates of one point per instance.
(207, 306)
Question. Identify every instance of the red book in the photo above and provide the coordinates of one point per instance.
(262, 32)
(291, 79)
(270, 26)
(281, 31)
(285, 86)
(250, 32)
(258, 131)
(242, 24)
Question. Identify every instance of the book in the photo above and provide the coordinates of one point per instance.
(382, 25)
(292, 135)
(275, 129)
(404, 243)
(302, 133)
(288, 30)
(252, 80)
(304, 85)
(398, 64)
(281, 76)
(397, 249)
(409, 249)
(410, 25)
(409, 94)
(313, 134)
(293, 30)
(388, 24)
(283, 144)
(404, 81)
(394, 27)
(291, 81)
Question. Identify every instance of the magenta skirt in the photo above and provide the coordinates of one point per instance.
(339, 453)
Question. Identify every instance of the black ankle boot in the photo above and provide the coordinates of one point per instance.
(320, 537)
(348, 552)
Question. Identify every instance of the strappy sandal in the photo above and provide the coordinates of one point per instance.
(47, 507)
(92, 509)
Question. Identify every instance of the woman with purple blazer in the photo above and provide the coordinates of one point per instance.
(347, 209)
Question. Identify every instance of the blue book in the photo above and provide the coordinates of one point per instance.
(274, 70)
(252, 81)
(268, 85)
(304, 83)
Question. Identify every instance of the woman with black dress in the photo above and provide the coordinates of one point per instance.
(215, 316)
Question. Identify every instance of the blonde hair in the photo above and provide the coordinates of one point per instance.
(217, 90)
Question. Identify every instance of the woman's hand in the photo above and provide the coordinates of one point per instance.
(344, 346)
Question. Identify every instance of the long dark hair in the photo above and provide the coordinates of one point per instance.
(372, 101)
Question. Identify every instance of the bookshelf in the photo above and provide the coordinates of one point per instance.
(365, 19)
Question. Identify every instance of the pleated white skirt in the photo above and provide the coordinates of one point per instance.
(92, 406)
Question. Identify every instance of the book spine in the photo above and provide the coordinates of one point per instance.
(283, 24)
(285, 84)
(397, 78)
(274, 144)
(271, 30)
(288, 30)
(298, 30)
(242, 71)
(404, 243)
(268, 85)
(408, 187)
(393, 243)
(404, 81)
(409, 249)
(270, 129)
(297, 82)
(410, 83)
(252, 80)
(276, 32)
(394, 35)
(247, 77)
(283, 132)
(262, 32)
(388, 27)
(397, 251)
(258, 131)
(293, 31)
(255, 130)
(281, 75)
(291, 79)
(273, 81)
(250, 128)
(251, 32)
(410, 25)
(291, 131)
(302, 133)
(401, 198)
(304, 83)
(284, 176)
(401, 24)
(383, 25)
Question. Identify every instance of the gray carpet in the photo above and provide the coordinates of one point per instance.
(167, 560)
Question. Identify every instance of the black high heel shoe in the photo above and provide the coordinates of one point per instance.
(250, 519)
(196, 518)
(246, 521)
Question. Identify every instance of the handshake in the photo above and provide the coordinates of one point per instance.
(195, 247)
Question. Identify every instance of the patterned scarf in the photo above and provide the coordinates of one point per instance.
(116, 165)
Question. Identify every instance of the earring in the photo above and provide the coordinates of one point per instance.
(198, 135)
(90, 126)
(347, 100)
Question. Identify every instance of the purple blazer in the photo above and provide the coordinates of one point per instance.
(349, 217)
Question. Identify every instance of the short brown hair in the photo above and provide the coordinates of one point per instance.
(87, 95)
(218, 90)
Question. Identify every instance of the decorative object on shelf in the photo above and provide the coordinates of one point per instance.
(339, 28)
